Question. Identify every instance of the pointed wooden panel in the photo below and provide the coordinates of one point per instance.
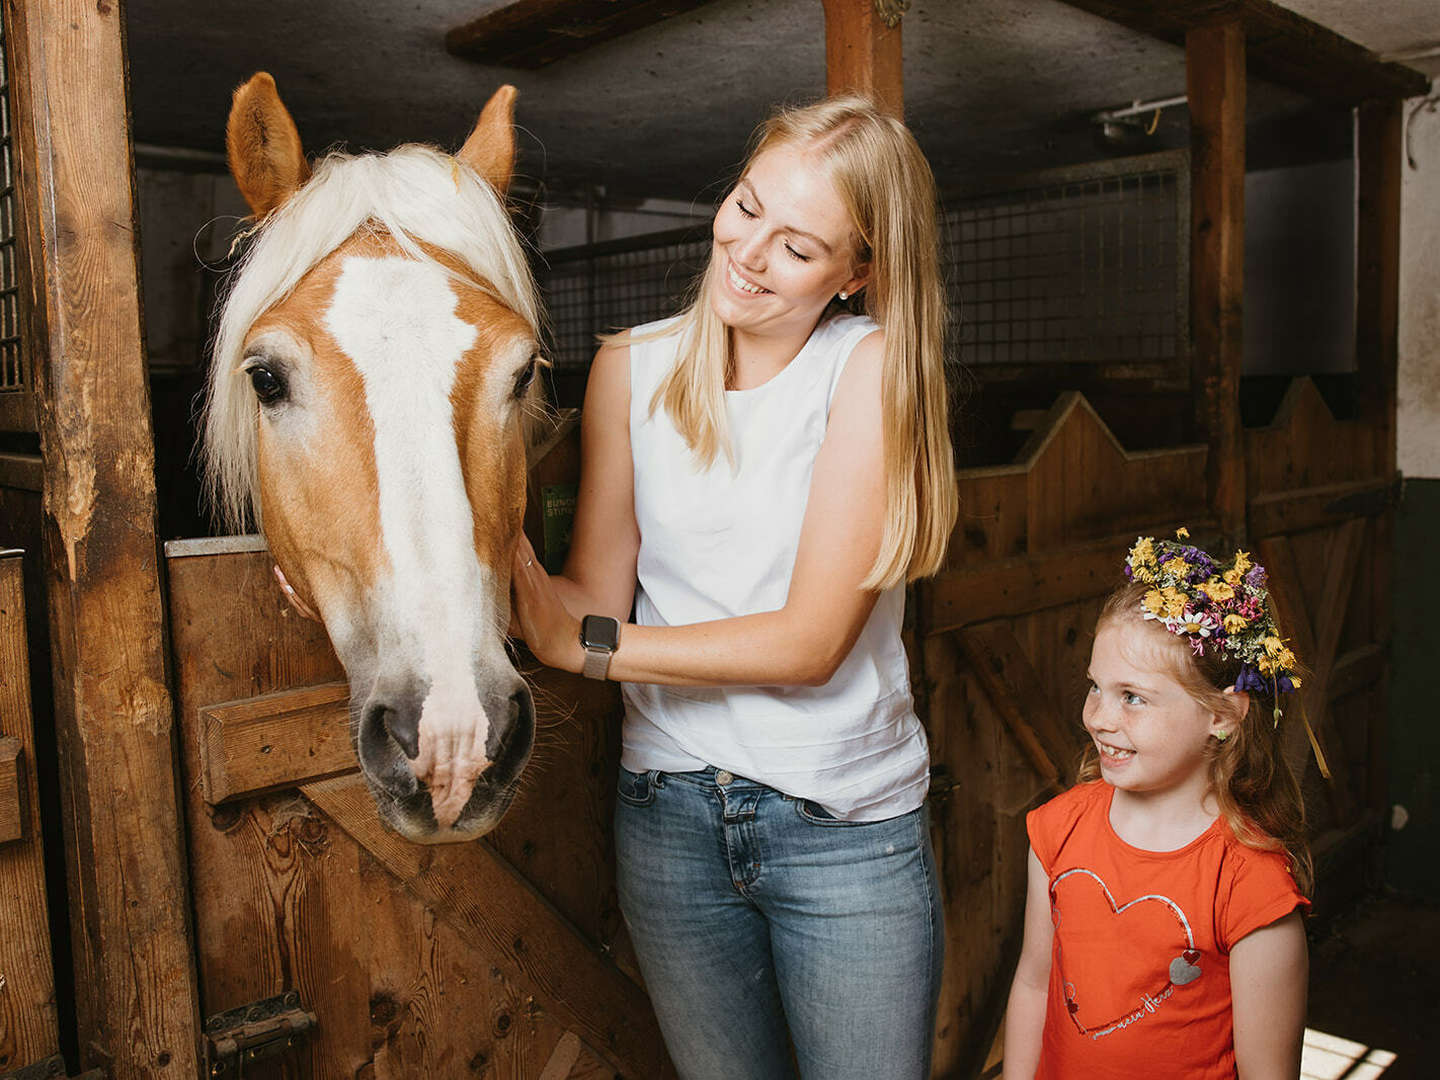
(1305, 447)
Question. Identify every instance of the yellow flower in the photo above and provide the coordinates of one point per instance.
(1177, 567)
(1242, 562)
(1154, 601)
(1295, 681)
(1235, 623)
(1286, 659)
(1143, 551)
(1273, 646)
(1266, 665)
(1174, 602)
(1142, 574)
(1182, 533)
(1233, 576)
(1217, 590)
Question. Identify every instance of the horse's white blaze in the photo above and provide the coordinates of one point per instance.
(395, 319)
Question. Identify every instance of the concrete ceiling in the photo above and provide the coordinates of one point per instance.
(990, 85)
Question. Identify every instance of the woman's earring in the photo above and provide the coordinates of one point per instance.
(1221, 736)
(844, 295)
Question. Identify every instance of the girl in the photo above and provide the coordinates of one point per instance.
(762, 474)
(1162, 922)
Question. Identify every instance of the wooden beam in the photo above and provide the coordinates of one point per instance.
(1283, 47)
(862, 50)
(1215, 77)
(136, 1002)
(12, 779)
(1317, 507)
(530, 34)
(275, 740)
(1379, 154)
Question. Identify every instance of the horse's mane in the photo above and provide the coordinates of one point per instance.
(416, 195)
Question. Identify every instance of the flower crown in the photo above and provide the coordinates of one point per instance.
(1222, 609)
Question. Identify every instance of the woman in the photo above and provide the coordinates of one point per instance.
(761, 475)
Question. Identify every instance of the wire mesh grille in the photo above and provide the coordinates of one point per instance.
(615, 285)
(1078, 266)
(13, 377)
(1086, 271)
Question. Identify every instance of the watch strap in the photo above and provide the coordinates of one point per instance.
(597, 663)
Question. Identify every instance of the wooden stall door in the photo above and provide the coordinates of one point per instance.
(499, 958)
(28, 1032)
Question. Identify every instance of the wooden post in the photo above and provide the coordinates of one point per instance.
(136, 1004)
(1215, 81)
(862, 50)
(1378, 151)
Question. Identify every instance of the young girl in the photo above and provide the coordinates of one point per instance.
(761, 476)
(1162, 921)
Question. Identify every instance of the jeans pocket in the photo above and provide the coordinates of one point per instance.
(635, 789)
(815, 814)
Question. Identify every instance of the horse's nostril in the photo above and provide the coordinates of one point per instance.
(522, 706)
(401, 723)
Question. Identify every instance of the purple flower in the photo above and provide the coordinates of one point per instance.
(1256, 578)
(1284, 685)
(1250, 681)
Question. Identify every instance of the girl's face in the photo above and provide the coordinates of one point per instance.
(1150, 733)
(784, 245)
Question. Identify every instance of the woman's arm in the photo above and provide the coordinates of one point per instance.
(1268, 972)
(806, 640)
(1029, 993)
(599, 574)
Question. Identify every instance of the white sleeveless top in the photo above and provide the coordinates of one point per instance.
(721, 543)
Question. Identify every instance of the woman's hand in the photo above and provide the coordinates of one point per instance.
(538, 615)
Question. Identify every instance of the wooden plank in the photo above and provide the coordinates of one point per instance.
(29, 1029)
(1282, 46)
(494, 908)
(1009, 588)
(1359, 669)
(862, 51)
(530, 34)
(12, 779)
(23, 471)
(1018, 695)
(136, 1003)
(275, 740)
(1317, 507)
(1215, 78)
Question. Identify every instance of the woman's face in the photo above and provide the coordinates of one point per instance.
(784, 245)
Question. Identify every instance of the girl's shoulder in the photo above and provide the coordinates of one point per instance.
(1255, 888)
(1051, 824)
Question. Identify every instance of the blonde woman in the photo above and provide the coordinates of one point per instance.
(762, 474)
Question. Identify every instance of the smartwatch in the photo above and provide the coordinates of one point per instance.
(599, 637)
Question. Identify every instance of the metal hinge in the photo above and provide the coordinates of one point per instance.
(261, 1029)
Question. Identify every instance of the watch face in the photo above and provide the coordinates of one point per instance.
(600, 632)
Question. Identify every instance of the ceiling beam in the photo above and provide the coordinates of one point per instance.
(1281, 46)
(530, 34)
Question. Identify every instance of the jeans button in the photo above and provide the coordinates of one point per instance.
(723, 777)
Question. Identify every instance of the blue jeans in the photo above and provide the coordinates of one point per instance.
(760, 921)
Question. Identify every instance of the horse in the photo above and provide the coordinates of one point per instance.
(372, 384)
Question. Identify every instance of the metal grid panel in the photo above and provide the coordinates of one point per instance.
(1085, 266)
(13, 377)
(616, 285)
(1087, 269)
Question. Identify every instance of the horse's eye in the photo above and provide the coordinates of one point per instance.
(269, 387)
(526, 376)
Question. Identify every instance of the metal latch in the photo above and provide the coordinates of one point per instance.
(261, 1029)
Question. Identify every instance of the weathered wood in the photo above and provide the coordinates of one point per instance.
(28, 1018)
(136, 1004)
(1317, 507)
(1215, 79)
(1283, 47)
(862, 52)
(275, 740)
(495, 909)
(25, 472)
(12, 779)
(1019, 696)
(1359, 669)
(530, 34)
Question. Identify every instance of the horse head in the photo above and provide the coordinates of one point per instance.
(373, 375)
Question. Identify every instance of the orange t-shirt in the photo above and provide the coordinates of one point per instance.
(1140, 963)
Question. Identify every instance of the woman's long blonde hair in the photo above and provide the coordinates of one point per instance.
(889, 191)
(1253, 784)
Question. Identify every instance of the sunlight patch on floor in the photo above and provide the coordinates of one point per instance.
(1329, 1057)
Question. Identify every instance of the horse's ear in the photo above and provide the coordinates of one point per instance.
(490, 149)
(263, 145)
